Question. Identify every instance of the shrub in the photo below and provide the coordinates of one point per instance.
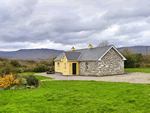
(6, 70)
(137, 65)
(8, 80)
(32, 80)
(40, 68)
(20, 70)
(52, 68)
(22, 81)
(130, 62)
(24, 66)
(27, 70)
(31, 61)
(4, 63)
(23, 76)
(146, 65)
(15, 63)
(3, 59)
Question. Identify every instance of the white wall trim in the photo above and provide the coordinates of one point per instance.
(65, 56)
(115, 50)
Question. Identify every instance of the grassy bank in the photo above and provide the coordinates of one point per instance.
(37, 76)
(137, 70)
(78, 97)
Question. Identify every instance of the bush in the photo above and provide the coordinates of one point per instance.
(130, 62)
(8, 80)
(32, 80)
(20, 70)
(146, 65)
(52, 68)
(23, 76)
(41, 68)
(24, 66)
(15, 63)
(3, 59)
(137, 65)
(6, 70)
(22, 81)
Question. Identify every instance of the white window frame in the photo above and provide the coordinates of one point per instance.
(65, 66)
(58, 65)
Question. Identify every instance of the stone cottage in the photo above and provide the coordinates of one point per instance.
(90, 61)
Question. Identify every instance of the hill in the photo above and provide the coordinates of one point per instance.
(138, 49)
(34, 54)
(40, 54)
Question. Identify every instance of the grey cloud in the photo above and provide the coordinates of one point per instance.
(125, 14)
(13, 46)
(24, 24)
(131, 29)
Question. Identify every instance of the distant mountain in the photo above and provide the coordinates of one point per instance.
(34, 54)
(137, 49)
(41, 54)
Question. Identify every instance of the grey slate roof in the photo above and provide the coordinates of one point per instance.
(84, 54)
(72, 56)
(59, 57)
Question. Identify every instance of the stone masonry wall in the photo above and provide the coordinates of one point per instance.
(92, 68)
(110, 64)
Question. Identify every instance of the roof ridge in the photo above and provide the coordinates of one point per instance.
(88, 48)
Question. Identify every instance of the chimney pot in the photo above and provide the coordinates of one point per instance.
(90, 46)
(72, 49)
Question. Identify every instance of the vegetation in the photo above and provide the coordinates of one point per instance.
(146, 70)
(32, 80)
(79, 97)
(7, 81)
(103, 43)
(136, 60)
(15, 63)
(21, 79)
(25, 75)
(18, 66)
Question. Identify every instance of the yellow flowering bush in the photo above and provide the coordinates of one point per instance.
(7, 80)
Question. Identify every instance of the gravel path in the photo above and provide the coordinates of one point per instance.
(130, 77)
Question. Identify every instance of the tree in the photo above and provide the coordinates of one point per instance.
(15, 63)
(130, 62)
(103, 43)
(126, 51)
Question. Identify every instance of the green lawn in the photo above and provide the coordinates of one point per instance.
(137, 70)
(78, 97)
(37, 76)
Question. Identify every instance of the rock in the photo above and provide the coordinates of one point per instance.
(22, 88)
(32, 87)
(28, 87)
(1, 88)
(12, 88)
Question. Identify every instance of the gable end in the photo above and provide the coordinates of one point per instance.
(109, 50)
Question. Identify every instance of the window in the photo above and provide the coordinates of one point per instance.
(87, 66)
(65, 66)
(58, 65)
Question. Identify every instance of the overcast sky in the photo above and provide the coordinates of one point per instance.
(61, 24)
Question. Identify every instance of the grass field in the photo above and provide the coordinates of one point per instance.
(137, 70)
(37, 76)
(78, 97)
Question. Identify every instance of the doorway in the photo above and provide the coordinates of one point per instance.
(74, 68)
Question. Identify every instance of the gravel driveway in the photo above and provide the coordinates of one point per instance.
(129, 77)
